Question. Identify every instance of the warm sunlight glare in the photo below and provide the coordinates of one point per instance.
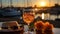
(42, 15)
(42, 4)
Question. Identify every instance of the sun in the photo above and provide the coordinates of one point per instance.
(42, 3)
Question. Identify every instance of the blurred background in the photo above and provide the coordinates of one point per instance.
(45, 10)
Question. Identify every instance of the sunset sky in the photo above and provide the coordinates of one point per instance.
(22, 3)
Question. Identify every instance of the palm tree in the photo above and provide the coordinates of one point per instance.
(58, 11)
(11, 3)
(27, 3)
(1, 3)
(49, 2)
(58, 1)
(24, 3)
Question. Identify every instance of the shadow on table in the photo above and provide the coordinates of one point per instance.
(47, 32)
(12, 32)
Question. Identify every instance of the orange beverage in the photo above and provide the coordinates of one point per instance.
(39, 26)
(28, 17)
(48, 27)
